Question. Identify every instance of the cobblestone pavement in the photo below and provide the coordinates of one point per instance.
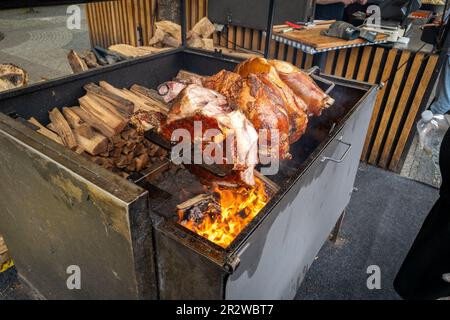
(38, 40)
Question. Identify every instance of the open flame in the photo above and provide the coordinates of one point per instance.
(238, 206)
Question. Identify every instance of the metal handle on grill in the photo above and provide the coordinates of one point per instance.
(312, 73)
(349, 146)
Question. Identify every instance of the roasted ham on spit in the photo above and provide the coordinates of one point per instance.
(275, 97)
(196, 105)
(260, 104)
(303, 86)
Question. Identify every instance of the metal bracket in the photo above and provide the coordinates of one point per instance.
(314, 73)
(218, 53)
(231, 264)
(349, 146)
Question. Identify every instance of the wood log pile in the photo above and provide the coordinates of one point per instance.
(168, 34)
(129, 51)
(11, 76)
(108, 127)
(82, 62)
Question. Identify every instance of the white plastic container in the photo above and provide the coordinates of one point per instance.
(431, 129)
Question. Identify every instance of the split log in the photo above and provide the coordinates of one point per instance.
(195, 201)
(128, 134)
(150, 93)
(91, 60)
(150, 96)
(76, 62)
(204, 28)
(62, 128)
(157, 38)
(123, 105)
(145, 103)
(124, 160)
(139, 103)
(133, 52)
(195, 41)
(110, 88)
(109, 107)
(171, 42)
(46, 132)
(104, 112)
(208, 44)
(141, 161)
(140, 149)
(51, 127)
(94, 122)
(11, 76)
(72, 118)
(171, 28)
(92, 142)
(197, 208)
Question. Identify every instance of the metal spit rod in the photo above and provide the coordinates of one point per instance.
(269, 28)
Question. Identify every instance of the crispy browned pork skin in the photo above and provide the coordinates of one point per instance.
(260, 104)
(211, 109)
(273, 95)
(292, 104)
(303, 86)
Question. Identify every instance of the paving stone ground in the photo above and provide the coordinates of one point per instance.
(38, 40)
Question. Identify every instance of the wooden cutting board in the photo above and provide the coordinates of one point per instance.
(313, 38)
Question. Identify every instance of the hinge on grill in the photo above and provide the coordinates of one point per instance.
(231, 264)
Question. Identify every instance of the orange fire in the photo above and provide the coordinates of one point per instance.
(238, 207)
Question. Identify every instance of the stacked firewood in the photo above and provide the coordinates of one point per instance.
(108, 127)
(168, 34)
(82, 62)
(128, 51)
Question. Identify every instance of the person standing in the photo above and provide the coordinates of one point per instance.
(425, 272)
(442, 103)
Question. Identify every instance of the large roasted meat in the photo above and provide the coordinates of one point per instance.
(292, 104)
(261, 105)
(195, 106)
(303, 86)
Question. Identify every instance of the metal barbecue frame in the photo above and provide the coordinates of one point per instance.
(166, 234)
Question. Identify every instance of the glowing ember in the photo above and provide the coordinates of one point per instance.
(238, 206)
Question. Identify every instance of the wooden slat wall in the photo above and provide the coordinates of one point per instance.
(397, 103)
(117, 21)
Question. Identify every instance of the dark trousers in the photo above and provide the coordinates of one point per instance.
(420, 276)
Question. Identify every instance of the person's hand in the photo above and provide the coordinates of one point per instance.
(362, 2)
